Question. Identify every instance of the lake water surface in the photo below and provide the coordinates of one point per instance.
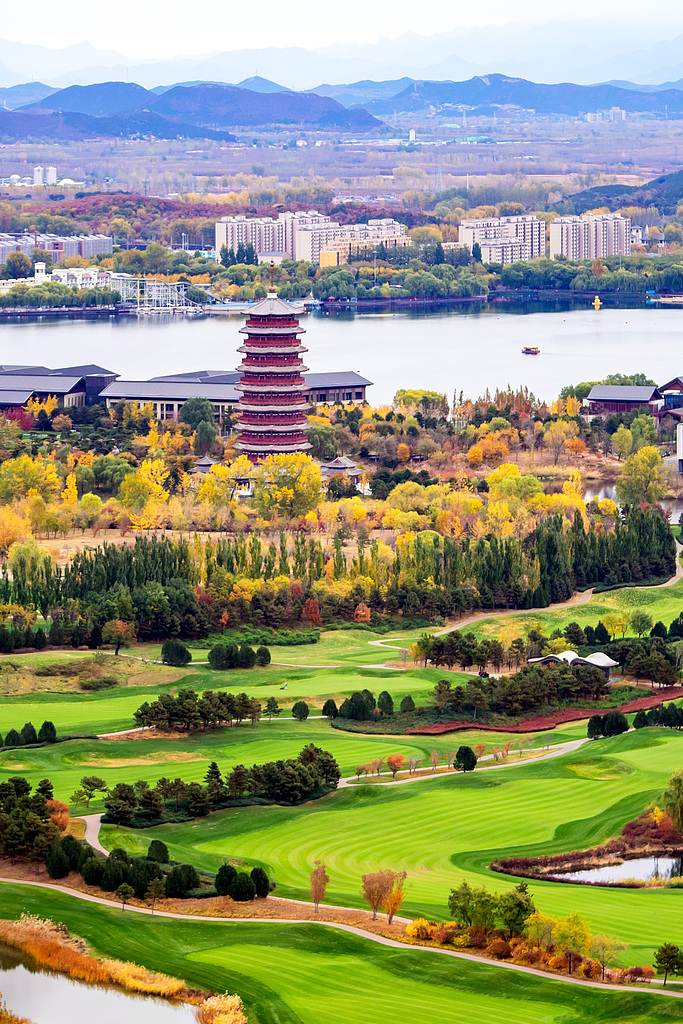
(445, 350)
(49, 998)
(643, 868)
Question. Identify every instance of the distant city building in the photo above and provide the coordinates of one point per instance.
(50, 175)
(59, 246)
(590, 236)
(38, 176)
(411, 135)
(617, 114)
(266, 234)
(505, 239)
(304, 236)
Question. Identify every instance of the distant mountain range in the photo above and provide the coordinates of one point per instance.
(205, 110)
(488, 92)
(581, 50)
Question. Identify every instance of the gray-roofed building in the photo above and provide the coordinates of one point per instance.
(168, 397)
(96, 377)
(17, 388)
(167, 393)
(609, 398)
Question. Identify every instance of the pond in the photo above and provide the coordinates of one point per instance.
(45, 997)
(643, 869)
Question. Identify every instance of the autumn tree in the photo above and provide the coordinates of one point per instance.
(556, 436)
(673, 799)
(622, 441)
(642, 478)
(606, 950)
(119, 633)
(287, 485)
(395, 763)
(393, 901)
(319, 882)
(376, 888)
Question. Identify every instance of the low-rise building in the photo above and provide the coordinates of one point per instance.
(168, 394)
(605, 399)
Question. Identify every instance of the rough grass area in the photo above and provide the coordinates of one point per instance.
(309, 974)
(451, 827)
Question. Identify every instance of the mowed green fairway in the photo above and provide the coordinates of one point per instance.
(310, 974)
(112, 711)
(444, 830)
(188, 757)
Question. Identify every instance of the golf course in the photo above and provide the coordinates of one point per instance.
(442, 829)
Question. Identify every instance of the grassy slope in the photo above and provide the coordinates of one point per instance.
(443, 830)
(305, 974)
(661, 602)
(189, 757)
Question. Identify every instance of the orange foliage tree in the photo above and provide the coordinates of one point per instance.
(393, 901)
(395, 763)
(319, 880)
(59, 813)
(362, 613)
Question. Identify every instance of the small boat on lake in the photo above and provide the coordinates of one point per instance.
(531, 350)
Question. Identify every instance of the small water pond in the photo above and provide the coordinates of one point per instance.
(45, 997)
(643, 869)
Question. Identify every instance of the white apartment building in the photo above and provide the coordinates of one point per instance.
(299, 236)
(505, 239)
(267, 235)
(38, 176)
(590, 236)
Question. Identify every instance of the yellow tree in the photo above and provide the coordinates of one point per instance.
(219, 486)
(13, 528)
(642, 478)
(557, 435)
(286, 485)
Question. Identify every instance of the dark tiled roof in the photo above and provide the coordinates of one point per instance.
(14, 397)
(618, 393)
(52, 384)
(178, 390)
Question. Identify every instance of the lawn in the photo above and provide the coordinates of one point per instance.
(112, 710)
(309, 974)
(129, 760)
(663, 603)
(450, 828)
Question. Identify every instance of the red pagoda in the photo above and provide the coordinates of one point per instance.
(272, 409)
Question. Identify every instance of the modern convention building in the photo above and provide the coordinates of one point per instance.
(273, 407)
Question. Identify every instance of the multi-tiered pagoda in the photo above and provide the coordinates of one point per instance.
(273, 408)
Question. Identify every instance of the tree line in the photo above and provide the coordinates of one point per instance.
(313, 773)
(28, 737)
(188, 710)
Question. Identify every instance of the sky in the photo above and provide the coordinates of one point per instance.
(147, 29)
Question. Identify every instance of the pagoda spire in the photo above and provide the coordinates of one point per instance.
(273, 407)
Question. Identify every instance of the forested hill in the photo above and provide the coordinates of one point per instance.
(665, 193)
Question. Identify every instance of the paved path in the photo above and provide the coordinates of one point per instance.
(555, 751)
(380, 939)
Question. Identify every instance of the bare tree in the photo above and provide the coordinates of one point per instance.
(375, 889)
(434, 757)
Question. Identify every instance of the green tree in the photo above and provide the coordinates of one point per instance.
(622, 442)
(642, 478)
(385, 704)
(93, 784)
(272, 708)
(47, 733)
(300, 711)
(330, 708)
(407, 704)
(515, 907)
(124, 893)
(465, 759)
(197, 410)
(158, 851)
(17, 264)
(643, 431)
(174, 652)
(673, 799)
(261, 882)
(224, 878)
(155, 891)
(641, 622)
(242, 888)
(668, 960)
(57, 862)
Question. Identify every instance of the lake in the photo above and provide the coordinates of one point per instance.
(466, 350)
(45, 997)
(642, 868)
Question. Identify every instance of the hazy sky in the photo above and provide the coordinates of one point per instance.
(148, 28)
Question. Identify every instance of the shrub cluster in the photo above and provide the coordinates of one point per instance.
(189, 710)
